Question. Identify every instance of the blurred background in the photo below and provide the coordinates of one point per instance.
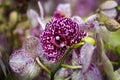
(15, 26)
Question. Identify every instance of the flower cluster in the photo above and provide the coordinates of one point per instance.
(80, 41)
(50, 43)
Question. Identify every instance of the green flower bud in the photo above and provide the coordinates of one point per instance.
(89, 40)
(13, 18)
(110, 24)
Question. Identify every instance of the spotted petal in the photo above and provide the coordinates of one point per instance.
(23, 65)
(86, 54)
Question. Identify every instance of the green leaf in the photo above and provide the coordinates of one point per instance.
(117, 50)
(11, 76)
(118, 7)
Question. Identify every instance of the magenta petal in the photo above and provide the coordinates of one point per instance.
(86, 54)
(59, 34)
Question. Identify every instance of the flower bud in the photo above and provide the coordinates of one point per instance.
(13, 17)
(108, 8)
(108, 4)
(112, 25)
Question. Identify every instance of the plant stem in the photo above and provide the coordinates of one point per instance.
(42, 65)
(12, 35)
(64, 57)
(114, 63)
(61, 62)
(71, 66)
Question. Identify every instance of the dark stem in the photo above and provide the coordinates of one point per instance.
(61, 62)
(64, 57)
(12, 35)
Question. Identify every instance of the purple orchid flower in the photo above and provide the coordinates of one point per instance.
(62, 32)
(59, 34)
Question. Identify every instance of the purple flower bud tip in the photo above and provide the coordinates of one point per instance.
(59, 34)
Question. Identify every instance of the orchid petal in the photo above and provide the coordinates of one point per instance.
(77, 19)
(63, 10)
(86, 54)
(41, 10)
(32, 16)
(91, 74)
(32, 47)
(91, 22)
(23, 65)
